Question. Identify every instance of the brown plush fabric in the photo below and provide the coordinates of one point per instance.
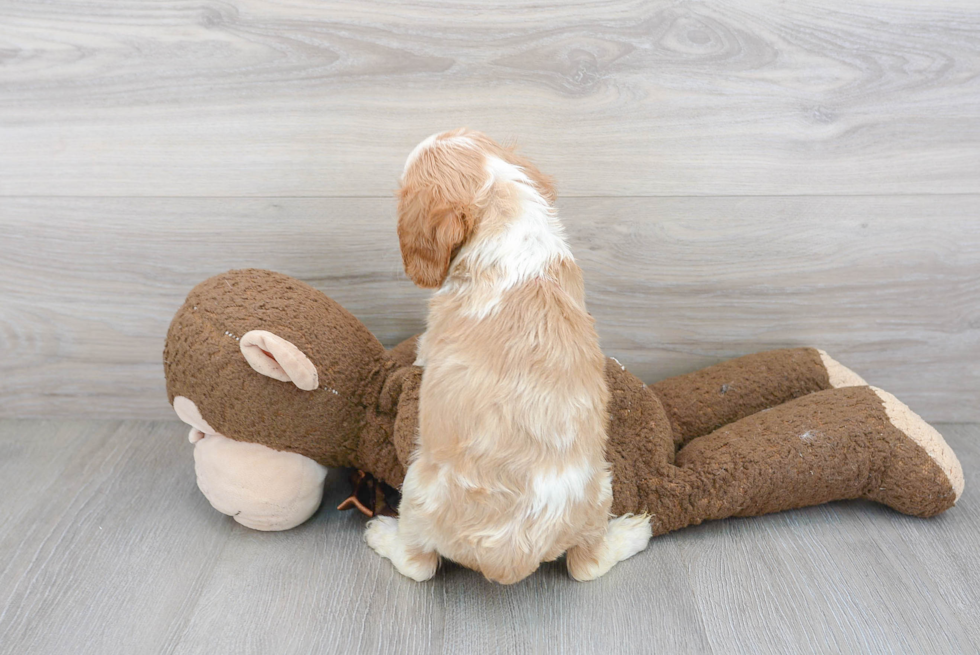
(763, 433)
(703, 401)
(832, 445)
(640, 441)
(404, 353)
(401, 397)
(337, 424)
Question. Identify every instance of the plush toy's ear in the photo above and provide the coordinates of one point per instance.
(277, 358)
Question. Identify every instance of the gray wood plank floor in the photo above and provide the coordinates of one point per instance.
(106, 546)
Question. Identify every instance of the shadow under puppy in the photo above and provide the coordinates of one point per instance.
(510, 469)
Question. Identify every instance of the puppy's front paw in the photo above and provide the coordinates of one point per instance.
(381, 534)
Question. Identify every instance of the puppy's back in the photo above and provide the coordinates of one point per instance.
(512, 429)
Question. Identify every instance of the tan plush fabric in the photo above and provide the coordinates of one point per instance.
(838, 374)
(260, 488)
(271, 355)
(757, 434)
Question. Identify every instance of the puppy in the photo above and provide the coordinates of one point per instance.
(510, 469)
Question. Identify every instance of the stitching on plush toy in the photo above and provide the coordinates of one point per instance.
(228, 333)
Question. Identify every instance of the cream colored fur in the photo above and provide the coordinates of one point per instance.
(510, 469)
(626, 536)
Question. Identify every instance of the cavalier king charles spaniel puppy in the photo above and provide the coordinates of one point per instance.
(510, 469)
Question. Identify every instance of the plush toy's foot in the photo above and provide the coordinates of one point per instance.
(840, 376)
(381, 534)
(625, 536)
(837, 444)
(908, 484)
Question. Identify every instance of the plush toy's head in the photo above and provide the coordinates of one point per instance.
(320, 367)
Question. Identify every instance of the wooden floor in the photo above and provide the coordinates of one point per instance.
(106, 546)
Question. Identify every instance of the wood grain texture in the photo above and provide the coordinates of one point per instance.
(106, 551)
(888, 285)
(107, 547)
(617, 97)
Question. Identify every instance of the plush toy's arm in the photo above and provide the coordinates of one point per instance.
(401, 396)
(703, 401)
(404, 353)
(857, 442)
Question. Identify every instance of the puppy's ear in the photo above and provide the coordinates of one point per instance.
(429, 235)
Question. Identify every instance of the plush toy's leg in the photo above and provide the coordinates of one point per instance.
(383, 536)
(703, 401)
(854, 442)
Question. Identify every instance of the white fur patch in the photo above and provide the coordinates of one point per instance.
(461, 140)
(526, 249)
(552, 491)
(625, 536)
(381, 534)
(628, 535)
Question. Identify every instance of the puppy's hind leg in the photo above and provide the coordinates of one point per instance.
(625, 536)
(383, 536)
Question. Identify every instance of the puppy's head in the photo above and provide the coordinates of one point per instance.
(445, 191)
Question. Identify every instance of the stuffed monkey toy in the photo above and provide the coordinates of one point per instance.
(279, 382)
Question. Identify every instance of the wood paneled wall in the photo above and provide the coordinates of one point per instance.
(734, 176)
